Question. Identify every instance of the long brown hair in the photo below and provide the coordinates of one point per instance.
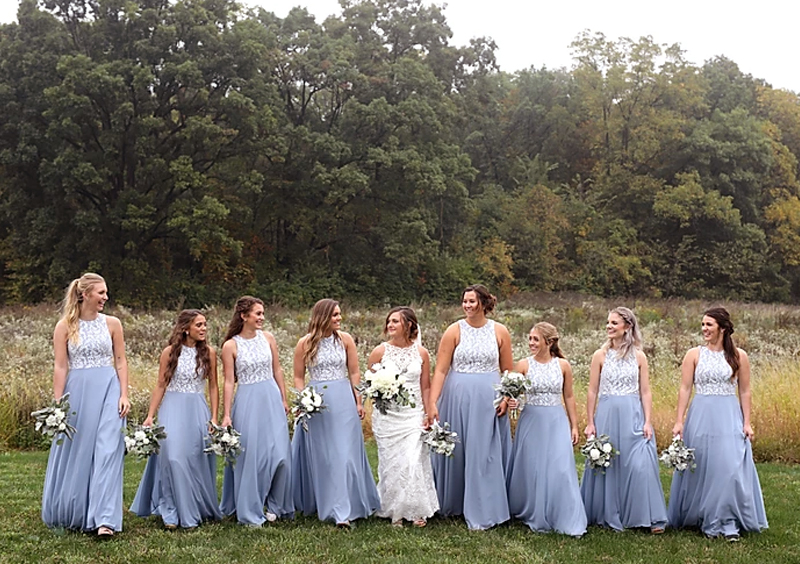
(178, 338)
(242, 307)
(410, 318)
(723, 319)
(550, 335)
(71, 305)
(318, 326)
(487, 299)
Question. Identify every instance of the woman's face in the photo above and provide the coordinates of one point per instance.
(336, 318)
(96, 297)
(197, 328)
(535, 342)
(254, 319)
(395, 325)
(616, 326)
(471, 304)
(710, 328)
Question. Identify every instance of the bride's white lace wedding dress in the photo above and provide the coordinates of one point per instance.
(405, 483)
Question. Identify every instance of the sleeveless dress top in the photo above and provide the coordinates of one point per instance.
(712, 375)
(619, 376)
(477, 350)
(331, 361)
(547, 383)
(409, 361)
(253, 359)
(94, 347)
(187, 379)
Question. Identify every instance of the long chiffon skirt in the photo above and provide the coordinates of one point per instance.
(723, 495)
(543, 487)
(180, 483)
(629, 494)
(262, 475)
(472, 482)
(332, 476)
(405, 484)
(83, 483)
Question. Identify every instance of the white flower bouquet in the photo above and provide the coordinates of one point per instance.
(53, 420)
(306, 403)
(384, 386)
(224, 442)
(599, 452)
(678, 456)
(440, 438)
(144, 441)
(513, 386)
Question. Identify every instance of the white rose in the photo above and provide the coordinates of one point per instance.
(140, 435)
(146, 441)
(607, 448)
(225, 438)
(317, 401)
(594, 454)
(62, 427)
(51, 421)
(607, 463)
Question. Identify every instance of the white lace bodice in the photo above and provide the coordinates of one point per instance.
(619, 376)
(186, 378)
(94, 347)
(477, 351)
(253, 359)
(712, 375)
(331, 361)
(409, 361)
(547, 382)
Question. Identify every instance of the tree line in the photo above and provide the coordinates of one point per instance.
(193, 150)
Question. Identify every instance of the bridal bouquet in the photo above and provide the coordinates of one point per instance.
(144, 441)
(53, 420)
(440, 438)
(512, 385)
(307, 403)
(224, 442)
(678, 456)
(384, 386)
(599, 452)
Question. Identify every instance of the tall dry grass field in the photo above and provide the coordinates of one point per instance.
(770, 334)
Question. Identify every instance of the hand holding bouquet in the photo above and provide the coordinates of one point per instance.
(306, 403)
(512, 386)
(678, 456)
(440, 438)
(53, 420)
(224, 442)
(144, 441)
(599, 452)
(384, 386)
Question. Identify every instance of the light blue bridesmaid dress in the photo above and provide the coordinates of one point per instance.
(723, 494)
(629, 494)
(262, 475)
(83, 483)
(472, 482)
(543, 487)
(332, 476)
(180, 483)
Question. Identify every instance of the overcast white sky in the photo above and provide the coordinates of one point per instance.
(760, 37)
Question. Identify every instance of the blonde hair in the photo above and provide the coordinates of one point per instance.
(318, 327)
(550, 335)
(71, 306)
(632, 340)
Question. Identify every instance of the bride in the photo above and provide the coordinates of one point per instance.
(405, 484)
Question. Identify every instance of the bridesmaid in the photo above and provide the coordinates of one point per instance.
(262, 473)
(180, 483)
(83, 483)
(723, 495)
(543, 487)
(332, 475)
(471, 353)
(629, 494)
(405, 482)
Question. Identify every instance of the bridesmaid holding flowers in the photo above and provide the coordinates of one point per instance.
(543, 487)
(180, 483)
(629, 493)
(261, 476)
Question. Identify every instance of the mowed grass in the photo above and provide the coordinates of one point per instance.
(23, 537)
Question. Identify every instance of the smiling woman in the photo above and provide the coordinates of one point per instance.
(83, 484)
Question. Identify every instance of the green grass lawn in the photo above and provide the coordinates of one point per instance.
(23, 537)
